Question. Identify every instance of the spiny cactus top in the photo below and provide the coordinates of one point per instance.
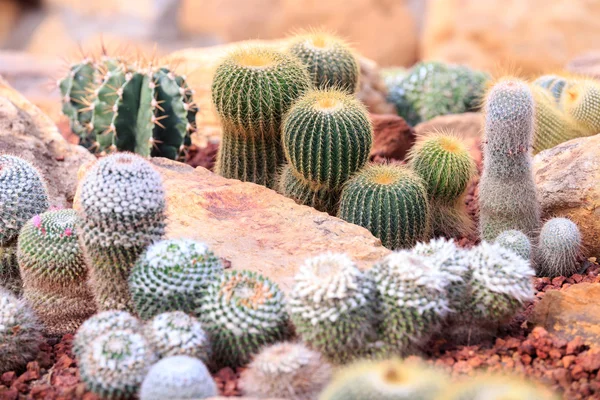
(443, 254)
(495, 387)
(170, 275)
(581, 100)
(327, 136)
(330, 61)
(23, 194)
(559, 248)
(516, 241)
(178, 377)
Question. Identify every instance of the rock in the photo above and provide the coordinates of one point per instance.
(28, 133)
(393, 137)
(587, 64)
(571, 312)
(204, 157)
(535, 38)
(566, 178)
(372, 90)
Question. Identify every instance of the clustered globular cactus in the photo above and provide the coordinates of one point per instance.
(252, 90)
(170, 275)
(242, 311)
(559, 248)
(178, 377)
(23, 194)
(516, 241)
(390, 201)
(285, 370)
(20, 334)
(332, 306)
(54, 273)
(495, 387)
(507, 192)
(115, 105)
(122, 212)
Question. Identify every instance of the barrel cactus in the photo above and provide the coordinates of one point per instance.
(559, 248)
(293, 185)
(516, 241)
(552, 83)
(581, 101)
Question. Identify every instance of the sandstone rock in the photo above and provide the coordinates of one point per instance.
(567, 181)
(393, 137)
(528, 34)
(26, 132)
(587, 64)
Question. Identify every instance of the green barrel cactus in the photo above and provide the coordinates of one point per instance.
(329, 60)
(559, 248)
(581, 101)
(285, 370)
(20, 333)
(507, 192)
(54, 272)
(74, 89)
(176, 333)
(332, 306)
(515, 241)
(552, 83)
(115, 364)
(495, 387)
(390, 201)
(122, 212)
(178, 377)
(242, 311)
(170, 275)
(293, 185)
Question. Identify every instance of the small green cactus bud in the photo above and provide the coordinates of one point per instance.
(115, 364)
(581, 101)
(516, 241)
(332, 307)
(559, 248)
(241, 312)
(327, 136)
(176, 333)
(285, 370)
(390, 201)
(170, 275)
(20, 335)
(329, 60)
(553, 84)
(122, 212)
(293, 185)
(495, 387)
(178, 377)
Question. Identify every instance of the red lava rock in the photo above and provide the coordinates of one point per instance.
(65, 380)
(577, 278)
(202, 156)
(9, 394)
(8, 378)
(589, 360)
(575, 345)
(64, 362)
(558, 281)
(393, 137)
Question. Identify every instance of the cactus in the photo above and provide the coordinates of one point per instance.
(329, 60)
(507, 192)
(332, 306)
(170, 275)
(74, 89)
(515, 241)
(115, 364)
(122, 212)
(20, 336)
(176, 333)
(553, 84)
(390, 201)
(285, 370)
(385, 380)
(252, 90)
(178, 377)
(241, 312)
(495, 387)
(581, 101)
(23, 194)
(293, 185)
(559, 248)
(101, 323)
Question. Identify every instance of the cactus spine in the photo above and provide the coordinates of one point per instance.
(293, 185)
(581, 100)
(559, 248)
(516, 241)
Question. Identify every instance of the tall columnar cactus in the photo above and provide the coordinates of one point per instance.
(390, 201)
(20, 335)
(115, 364)
(329, 60)
(122, 212)
(178, 377)
(252, 90)
(54, 272)
(23, 194)
(242, 311)
(293, 185)
(495, 387)
(75, 88)
(516, 241)
(507, 192)
(285, 370)
(581, 101)
(332, 306)
(170, 275)
(559, 248)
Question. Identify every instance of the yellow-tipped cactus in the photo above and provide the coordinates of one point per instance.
(581, 100)
(293, 185)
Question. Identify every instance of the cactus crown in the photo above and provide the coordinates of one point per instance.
(516, 241)
(559, 247)
(101, 323)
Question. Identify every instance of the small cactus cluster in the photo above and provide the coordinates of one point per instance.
(53, 271)
(559, 248)
(136, 107)
(517, 242)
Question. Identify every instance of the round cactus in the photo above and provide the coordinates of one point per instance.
(242, 311)
(293, 185)
(176, 333)
(332, 307)
(20, 336)
(553, 84)
(122, 212)
(115, 364)
(390, 201)
(330, 61)
(491, 387)
(581, 100)
(170, 275)
(10, 278)
(327, 136)
(178, 377)
(285, 370)
(559, 248)
(516, 241)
